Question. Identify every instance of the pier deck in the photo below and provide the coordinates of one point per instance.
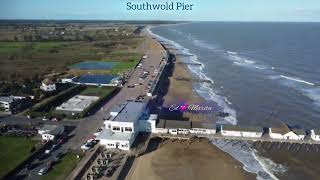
(264, 138)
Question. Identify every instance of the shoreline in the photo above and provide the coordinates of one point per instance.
(210, 155)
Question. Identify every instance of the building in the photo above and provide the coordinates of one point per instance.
(50, 132)
(48, 85)
(148, 123)
(203, 128)
(239, 131)
(283, 132)
(178, 127)
(160, 127)
(68, 79)
(77, 103)
(6, 103)
(121, 130)
(315, 134)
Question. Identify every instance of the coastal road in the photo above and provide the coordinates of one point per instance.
(89, 125)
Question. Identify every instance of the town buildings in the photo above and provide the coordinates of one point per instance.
(238, 131)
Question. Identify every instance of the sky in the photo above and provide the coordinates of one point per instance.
(203, 10)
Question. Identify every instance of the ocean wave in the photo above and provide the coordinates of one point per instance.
(203, 89)
(297, 80)
(264, 168)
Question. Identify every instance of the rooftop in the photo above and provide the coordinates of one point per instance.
(177, 124)
(77, 103)
(48, 81)
(131, 112)
(110, 135)
(52, 129)
(281, 130)
(203, 125)
(161, 123)
(299, 131)
(241, 128)
(316, 131)
(8, 99)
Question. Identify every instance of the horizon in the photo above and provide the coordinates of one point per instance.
(206, 10)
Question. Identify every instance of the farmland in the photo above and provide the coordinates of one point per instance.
(30, 56)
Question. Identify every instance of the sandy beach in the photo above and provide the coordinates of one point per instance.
(187, 160)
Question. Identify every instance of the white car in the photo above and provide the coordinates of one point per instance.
(43, 171)
(86, 146)
(45, 118)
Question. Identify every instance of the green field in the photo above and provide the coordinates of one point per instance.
(61, 170)
(97, 91)
(20, 60)
(13, 151)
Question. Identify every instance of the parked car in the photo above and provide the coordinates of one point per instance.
(48, 151)
(43, 170)
(58, 157)
(86, 146)
(45, 118)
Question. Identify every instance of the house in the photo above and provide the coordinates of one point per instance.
(240, 131)
(121, 130)
(50, 132)
(315, 134)
(6, 103)
(283, 132)
(178, 127)
(48, 85)
(203, 128)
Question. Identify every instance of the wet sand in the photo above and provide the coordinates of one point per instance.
(187, 161)
(298, 165)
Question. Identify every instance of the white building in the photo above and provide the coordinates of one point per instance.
(238, 131)
(77, 103)
(6, 103)
(203, 128)
(48, 85)
(68, 80)
(176, 127)
(50, 132)
(301, 133)
(121, 130)
(148, 124)
(283, 133)
(315, 134)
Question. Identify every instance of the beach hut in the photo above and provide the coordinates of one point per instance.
(283, 132)
(203, 128)
(241, 131)
(315, 134)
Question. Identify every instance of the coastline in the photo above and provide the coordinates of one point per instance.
(198, 156)
(187, 160)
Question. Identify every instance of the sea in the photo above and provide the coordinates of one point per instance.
(263, 74)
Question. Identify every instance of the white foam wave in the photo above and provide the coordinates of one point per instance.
(232, 52)
(205, 90)
(297, 80)
(252, 162)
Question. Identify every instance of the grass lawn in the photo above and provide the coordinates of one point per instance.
(13, 150)
(63, 168)
(97, 91)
